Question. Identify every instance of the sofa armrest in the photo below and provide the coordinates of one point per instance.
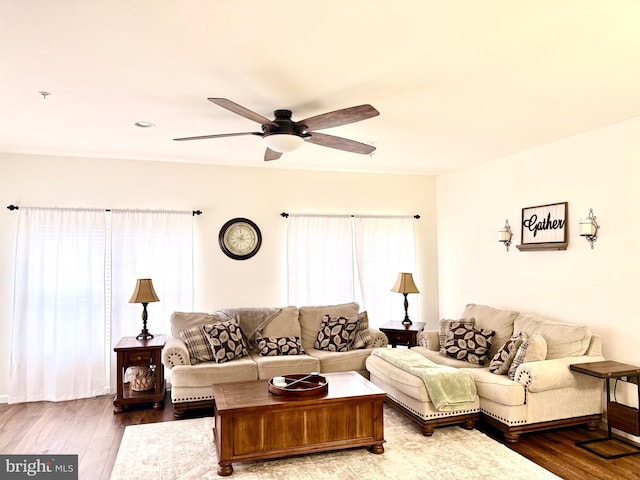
(378, 339)
(553, 374)
(429, 339)
(175, 353)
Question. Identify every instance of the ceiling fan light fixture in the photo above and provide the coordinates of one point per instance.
(283, 142)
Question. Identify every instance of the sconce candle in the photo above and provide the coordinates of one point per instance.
(589, 228)
(505, 234)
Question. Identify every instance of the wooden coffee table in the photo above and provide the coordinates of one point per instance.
(253, 424)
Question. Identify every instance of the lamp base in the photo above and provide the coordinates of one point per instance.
(407, 322)
(144, 335)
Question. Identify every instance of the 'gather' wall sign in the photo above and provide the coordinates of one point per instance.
(544, 227)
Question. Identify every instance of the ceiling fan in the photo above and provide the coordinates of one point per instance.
(283, 135)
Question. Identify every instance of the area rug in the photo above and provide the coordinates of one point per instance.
(184, 450)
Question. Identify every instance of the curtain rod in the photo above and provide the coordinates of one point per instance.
(193, 212)
(286, 215)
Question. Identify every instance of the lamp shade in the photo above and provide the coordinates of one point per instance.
(283, 142)
(405, 284)
(144, 292)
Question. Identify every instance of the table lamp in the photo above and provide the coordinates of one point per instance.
(405, 285)
(144, 294)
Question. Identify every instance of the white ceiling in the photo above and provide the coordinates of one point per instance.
(457, 82)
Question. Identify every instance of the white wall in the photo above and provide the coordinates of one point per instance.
(598, 287)
(222, 193)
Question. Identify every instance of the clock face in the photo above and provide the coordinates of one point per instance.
(240, 238)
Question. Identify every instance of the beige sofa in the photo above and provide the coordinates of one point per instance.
(542, 393)
(191, 380)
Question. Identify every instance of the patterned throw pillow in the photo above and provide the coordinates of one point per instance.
(271, 346)
(197, 342)
(533, 349)
(469, 344)
(502, 360)
(447, 326)
(226, 340)
(336, 334)
(362, 336)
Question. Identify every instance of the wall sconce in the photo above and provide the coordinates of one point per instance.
(589, 228)
(505, 234)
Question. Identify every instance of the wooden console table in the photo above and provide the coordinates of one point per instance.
(619, 416)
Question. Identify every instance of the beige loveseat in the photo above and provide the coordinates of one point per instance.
(193, 372)
(542, 392)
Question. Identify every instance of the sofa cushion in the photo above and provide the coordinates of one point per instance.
(197, 342)
(283, 324)
(206, 374)
(563, 339)
(227, 341)
(336, 334)
(469, 344)
(270, 346)
(502, 360)
(435, 356)
(497, 388)
(447, 326)
(272, 366)
(311, 318)
(362, 337)
(490, 318)
(341, 361)
(532, 349)
(185, 320)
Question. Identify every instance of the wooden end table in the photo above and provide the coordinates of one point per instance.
(399, 334)
(619, 416)
(144, 353)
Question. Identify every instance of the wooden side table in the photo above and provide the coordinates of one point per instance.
(399, 334)
(144, 353)
(619, 416)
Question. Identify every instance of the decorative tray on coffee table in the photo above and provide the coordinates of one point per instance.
(299, 385)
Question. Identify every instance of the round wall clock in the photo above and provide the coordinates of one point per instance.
(240, 238)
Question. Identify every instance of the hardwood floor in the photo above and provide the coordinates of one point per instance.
(90, 429)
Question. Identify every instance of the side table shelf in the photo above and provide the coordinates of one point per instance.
(131, 352)
(619, 416)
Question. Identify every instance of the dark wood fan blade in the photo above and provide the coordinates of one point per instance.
(271, 155)
(242, 111)
(340, 143)
(339, 117)
(218, 135)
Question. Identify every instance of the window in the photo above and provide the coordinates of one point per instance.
(335, 259)
(75, 271)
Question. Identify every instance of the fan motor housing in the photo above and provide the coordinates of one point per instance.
(284, 125)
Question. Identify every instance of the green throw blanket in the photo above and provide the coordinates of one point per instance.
(449, 388)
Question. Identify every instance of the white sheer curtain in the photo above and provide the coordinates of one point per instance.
(319, 259)
(384, 247)
(156, 245)
(58, 335)
(75, 272)
(334, 259)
